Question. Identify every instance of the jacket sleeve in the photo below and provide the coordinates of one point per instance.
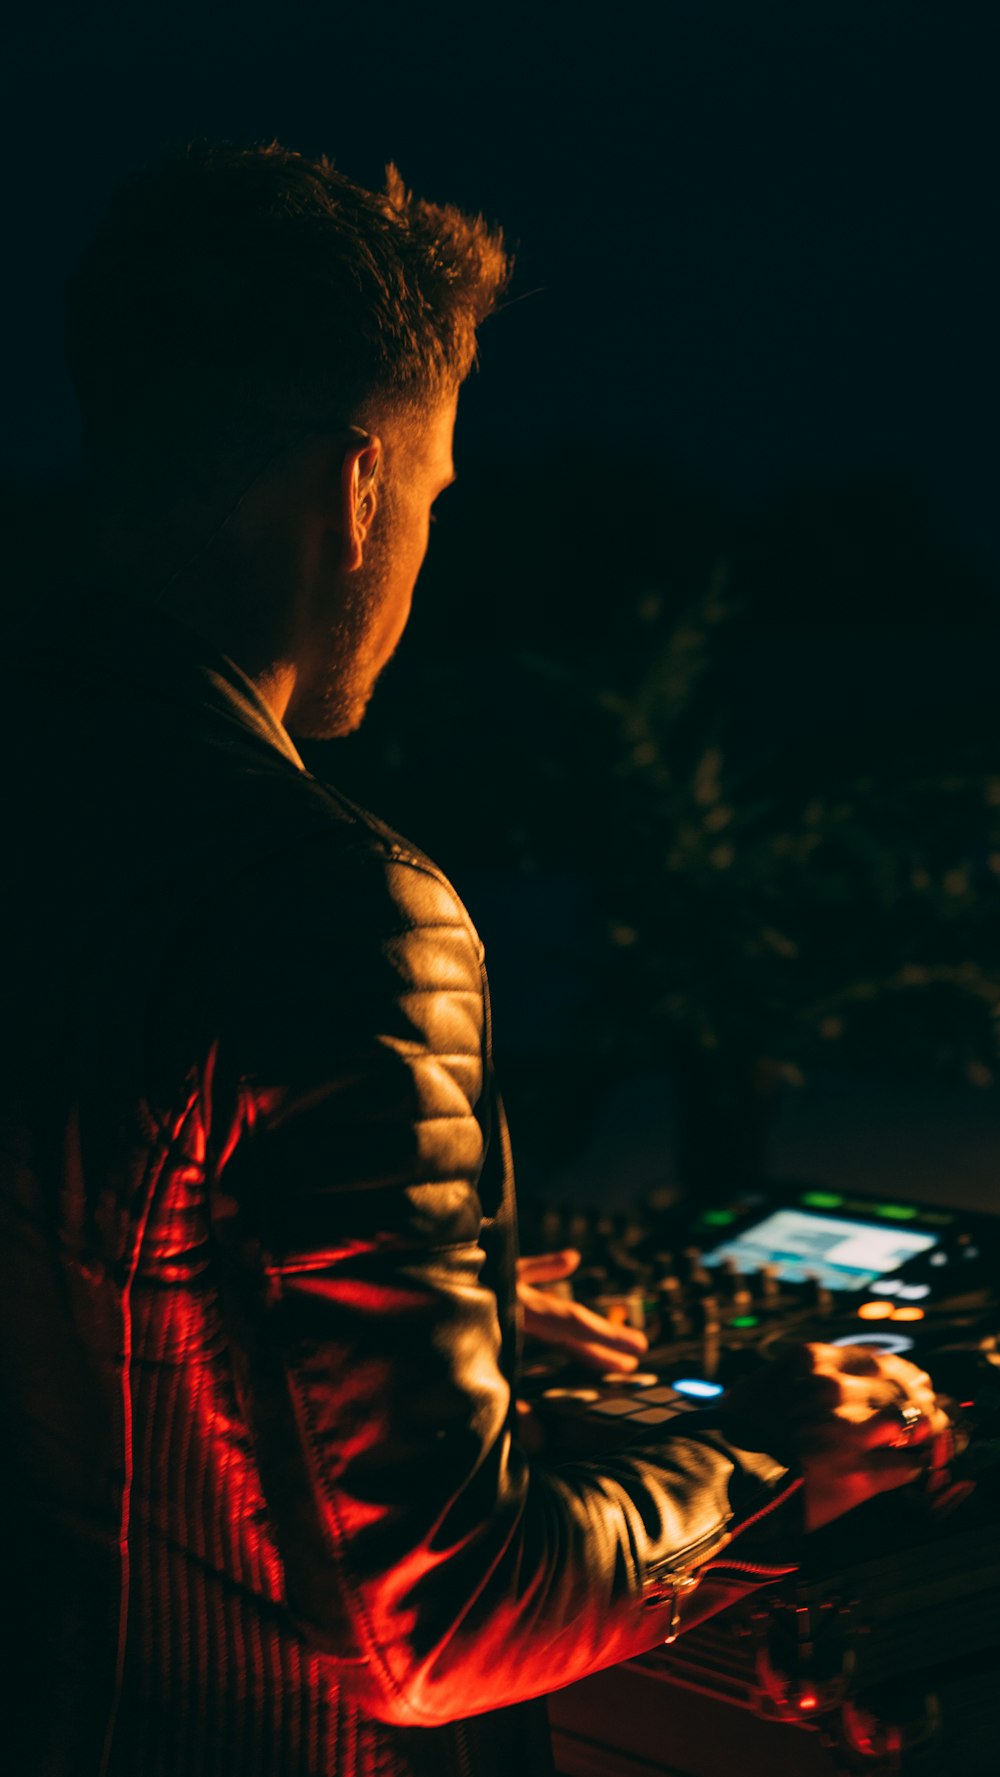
(441, 1570)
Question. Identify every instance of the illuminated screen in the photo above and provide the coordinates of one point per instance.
(843, 1255)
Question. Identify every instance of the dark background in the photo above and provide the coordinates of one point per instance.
(744, 390)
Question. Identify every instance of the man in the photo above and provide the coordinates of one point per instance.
(259, 1336)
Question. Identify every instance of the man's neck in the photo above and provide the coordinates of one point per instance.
(195, 601)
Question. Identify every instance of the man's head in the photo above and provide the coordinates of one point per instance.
(267, 359)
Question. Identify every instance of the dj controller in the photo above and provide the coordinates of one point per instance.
(881, 1653)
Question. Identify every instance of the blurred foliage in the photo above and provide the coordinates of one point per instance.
(767, 906)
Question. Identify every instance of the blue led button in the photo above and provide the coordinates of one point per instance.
(697, 1388)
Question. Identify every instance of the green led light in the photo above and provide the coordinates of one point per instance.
(897, 1212)
(743, 1320)
(718, 1218)
(823, 1200)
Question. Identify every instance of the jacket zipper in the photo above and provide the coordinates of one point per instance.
(680, 1583)
(681, 1580)
(463, 1755)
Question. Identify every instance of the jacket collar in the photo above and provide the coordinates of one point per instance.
(152, 652)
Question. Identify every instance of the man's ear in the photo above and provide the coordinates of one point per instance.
(358, 497)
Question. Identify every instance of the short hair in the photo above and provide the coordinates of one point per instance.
(249, 292)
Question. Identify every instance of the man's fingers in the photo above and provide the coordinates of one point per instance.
(594, 1341)
(795, 1395)
(902, 1426)
(586, 1328)
(548, 1267)
(595, 1351)
(861, 1422)
(607, 1332)
(849, 1360)
(603, 1357)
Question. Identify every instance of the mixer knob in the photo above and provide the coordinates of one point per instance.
(710, 1351)
(735, 1285)
(817, 1295)
(703, 1283)
(705, 1315)
(674, 1323)
(690, 1260)
(768, 1289)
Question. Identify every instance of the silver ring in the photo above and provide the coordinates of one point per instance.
(909, 1419)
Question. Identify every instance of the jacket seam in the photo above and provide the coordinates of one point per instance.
(375, 1654)
(152, 1175)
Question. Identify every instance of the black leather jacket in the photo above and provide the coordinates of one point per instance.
(257, 1243)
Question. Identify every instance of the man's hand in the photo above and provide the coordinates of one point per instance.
(598, 1343)
(858, 1422)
